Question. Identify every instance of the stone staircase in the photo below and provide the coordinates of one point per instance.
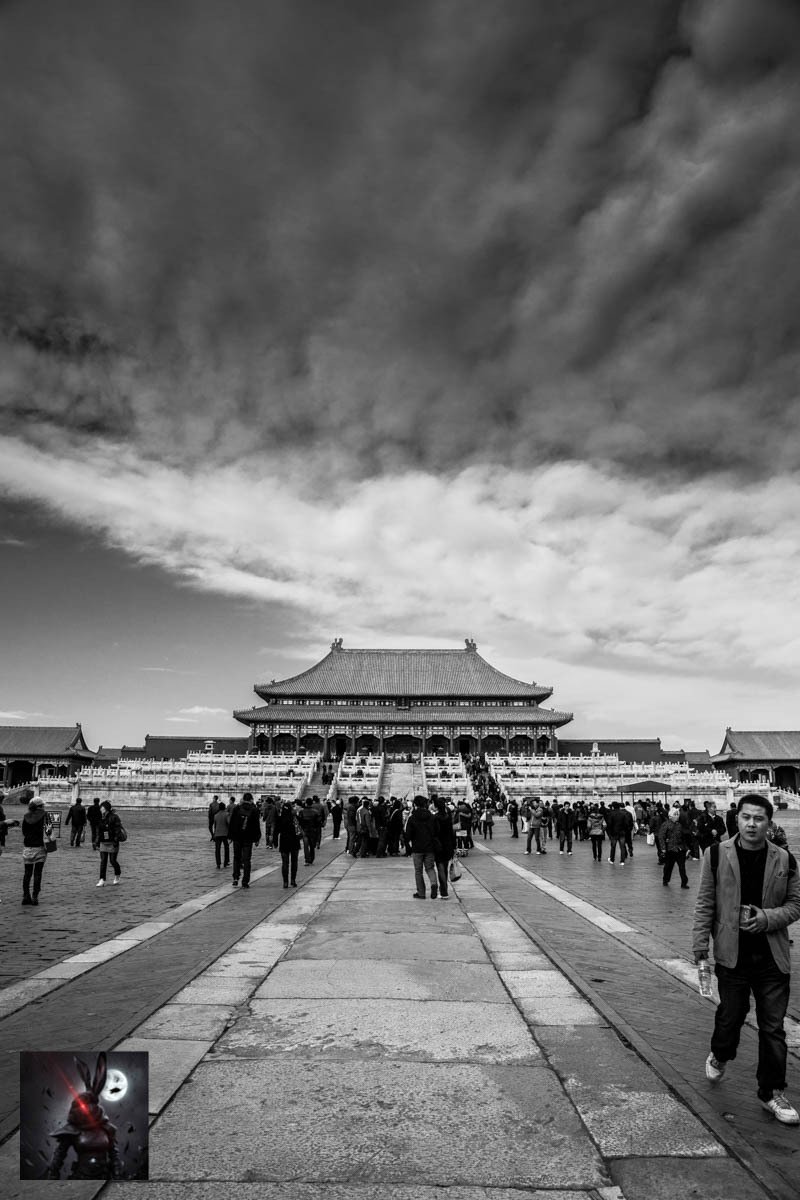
(315, 786)
(403, 779)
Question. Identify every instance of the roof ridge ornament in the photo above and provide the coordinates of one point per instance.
(336, 644)
(470, 644)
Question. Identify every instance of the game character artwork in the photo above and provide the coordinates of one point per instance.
(83, 1115)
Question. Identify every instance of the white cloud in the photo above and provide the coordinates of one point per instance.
(198, 710)
(564, 563)
(17, 715)
(181, 720)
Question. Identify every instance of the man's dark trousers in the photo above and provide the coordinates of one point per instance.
(242, 853)
(674, 858)
(770, 988)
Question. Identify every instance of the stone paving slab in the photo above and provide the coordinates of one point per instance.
(624, 1122)
(422, 1031)
(561, 1010)
(188, 1022)
(594, 1054)
(391, 947)
(212, 990)
(526, 985)
(333, 1191)
(385, 1122)
(417, 980)
(169, 1064)
(365, 917)
(528, 960)
(666, 1178)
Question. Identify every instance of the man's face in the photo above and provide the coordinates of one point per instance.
(753, 822)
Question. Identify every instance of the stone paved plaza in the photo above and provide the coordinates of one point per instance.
(539, 1033)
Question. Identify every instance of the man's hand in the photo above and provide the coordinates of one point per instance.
(755, 924)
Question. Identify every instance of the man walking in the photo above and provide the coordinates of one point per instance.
(244, 830)
(423, 843)
(749, 894)
(220, 831)
(94, 817)
(76, 817)
(615, 824)
(535, 827)
(673, 844)
(564, 827)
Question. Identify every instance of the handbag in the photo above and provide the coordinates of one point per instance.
(50, 845)
(455, 871)
(651, 839)
(122, 836)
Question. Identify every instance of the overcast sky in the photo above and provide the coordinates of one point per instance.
(401, 323)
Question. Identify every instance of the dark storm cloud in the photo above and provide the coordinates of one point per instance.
(417, 235)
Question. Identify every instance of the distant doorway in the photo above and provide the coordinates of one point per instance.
(312, 742)
(19, 772)
(786, 777)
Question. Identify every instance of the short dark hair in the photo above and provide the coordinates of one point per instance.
(755, 798)
(420, 802)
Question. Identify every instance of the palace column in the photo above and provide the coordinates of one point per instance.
(507, 743)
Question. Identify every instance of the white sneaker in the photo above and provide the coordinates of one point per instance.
(116, 880)
(781, 1109)
(100, 883)
(714, 1070)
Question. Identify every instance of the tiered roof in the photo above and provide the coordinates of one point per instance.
(414, 715)
(36, 741)
(403, 673)
(744, 745)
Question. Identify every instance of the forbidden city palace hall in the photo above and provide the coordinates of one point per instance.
(402, 702)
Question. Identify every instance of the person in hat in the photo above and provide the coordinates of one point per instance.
(37, 828)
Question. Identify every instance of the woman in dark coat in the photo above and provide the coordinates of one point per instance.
(37, 828)
(288, 838)
(109, 834)
(446, 843)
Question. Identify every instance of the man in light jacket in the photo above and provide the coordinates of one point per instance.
(748, 896)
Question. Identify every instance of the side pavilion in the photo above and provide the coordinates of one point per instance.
(29, 752)
(403, 702)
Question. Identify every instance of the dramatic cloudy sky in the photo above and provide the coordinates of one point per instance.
(401, 323)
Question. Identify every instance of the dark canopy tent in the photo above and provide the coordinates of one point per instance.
(651, 786)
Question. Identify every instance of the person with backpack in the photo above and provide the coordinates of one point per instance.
(512, 813)
(110, 833)
(673, 843)
(244, 830)
(749, 894)
(596, 828)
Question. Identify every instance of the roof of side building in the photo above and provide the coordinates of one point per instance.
(760, 744)
(58, 740)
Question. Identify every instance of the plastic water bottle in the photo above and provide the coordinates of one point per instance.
(705, 978)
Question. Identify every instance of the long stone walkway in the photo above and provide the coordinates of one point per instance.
(539, 1033)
